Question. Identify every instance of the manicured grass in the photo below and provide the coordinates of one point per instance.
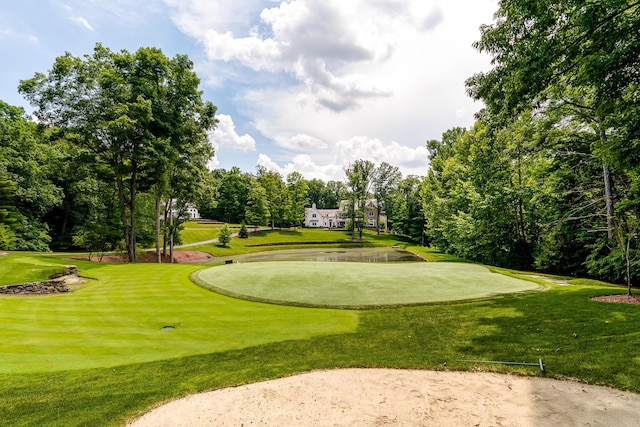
(301, 237)
(523, 328)
(229, 342)
(16, 269)
(118, 319)
(358, 285)
(195, 232)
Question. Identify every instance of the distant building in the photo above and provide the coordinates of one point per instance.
(338, 217)
(192, 211)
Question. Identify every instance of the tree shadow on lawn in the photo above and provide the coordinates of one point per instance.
(574, 336)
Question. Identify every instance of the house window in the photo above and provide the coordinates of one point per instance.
(371, 213)
(313, 215)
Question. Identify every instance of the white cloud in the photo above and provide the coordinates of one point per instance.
(368, 79)
(82, 22)
(303, 142)
(330, 164)
(324, 45)
(302, 163)
(225, 135)
(407, 158)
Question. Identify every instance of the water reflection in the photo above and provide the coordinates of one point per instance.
(342, 255)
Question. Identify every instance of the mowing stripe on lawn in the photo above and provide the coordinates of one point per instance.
(118, 319)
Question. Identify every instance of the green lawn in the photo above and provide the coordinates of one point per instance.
(359, 285)
(97, 356)
(16, 269)
(195, 232)
(117, 319)
(301, 237)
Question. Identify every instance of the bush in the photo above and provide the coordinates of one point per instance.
(243, 233)
(224, 236)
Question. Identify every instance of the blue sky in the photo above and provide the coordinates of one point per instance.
(306, 85)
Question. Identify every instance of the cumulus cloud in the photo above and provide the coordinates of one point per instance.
(410, 159)
(323, 45)
(331, 163)
(303, 142)
(333, 81)
(225, 135)
(306, 166)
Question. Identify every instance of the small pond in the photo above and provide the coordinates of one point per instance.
(386, 254)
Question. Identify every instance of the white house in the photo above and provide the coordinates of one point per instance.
(192, 211)
(337, 218)
(324, 218)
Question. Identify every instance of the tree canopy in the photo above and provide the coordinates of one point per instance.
(138, 114)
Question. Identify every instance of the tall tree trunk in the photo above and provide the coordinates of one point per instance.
(608, 197)
(608, 193)
(158, 209)
(378, 217)
(171, 233)
(628, 262)
(123, 214)
(132, 211)
(165, 234)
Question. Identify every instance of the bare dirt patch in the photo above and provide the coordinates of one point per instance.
(622, 298)
(150, 257)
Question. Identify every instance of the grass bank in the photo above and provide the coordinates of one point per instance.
(18, 268)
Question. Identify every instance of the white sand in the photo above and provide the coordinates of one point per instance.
(379, 397)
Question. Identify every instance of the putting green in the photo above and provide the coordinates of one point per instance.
(358, 285)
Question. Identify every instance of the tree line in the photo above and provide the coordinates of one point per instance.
(547, 178)
(266, 198)
(119, 146)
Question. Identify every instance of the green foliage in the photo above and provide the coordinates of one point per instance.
(232, 193)
(574, 63)
(276, 196)
(7, 237)
(243, 233)
(359, 175)
(297, 189)
(28, 167)
(96, 238)
(478, 196)
(256, 209)
(224, 235)
(140, 116)
(385, 180)
(405, 208)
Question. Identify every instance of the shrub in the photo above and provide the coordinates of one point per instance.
(243, 233)
(224, 235)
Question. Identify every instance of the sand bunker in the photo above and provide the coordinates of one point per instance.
(379, 397)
